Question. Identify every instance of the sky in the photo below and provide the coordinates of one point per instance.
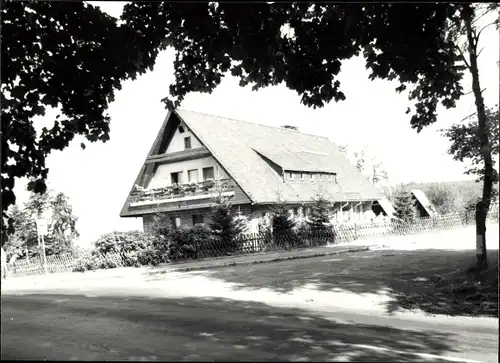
(98, 179)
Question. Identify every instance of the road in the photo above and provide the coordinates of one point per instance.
(76, 327)
(332, 308)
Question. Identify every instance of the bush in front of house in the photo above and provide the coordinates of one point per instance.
(162, 227)
(226, 225)
(279, 229)
(319, 231)
(122, 242)
(446, 200)
(119, 249)
(174, 244)
(96, 261)
(150, 257)
(321, 213)
(189, 243)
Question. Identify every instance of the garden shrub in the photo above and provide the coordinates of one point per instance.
(186, 242)
(226, 225)
(96, 261)
(130, 258)
(283, 232)
(162, 226)
(150, 257)
(122, 242)
(446, 200)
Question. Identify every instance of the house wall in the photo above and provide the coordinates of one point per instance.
(186, 216)
(177, 142)
(353, 212)
(419, 210)
(161, 177)
(255, 214)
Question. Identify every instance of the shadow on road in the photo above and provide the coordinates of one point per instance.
(434, 281)
(198, 329)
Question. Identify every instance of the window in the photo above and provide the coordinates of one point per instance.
(208, 173)
(175, 221)
(330, 177)
(290, 175)
(312, 177)
(187, 142)
(176, 178)
(296, 211)
(193, 176)
(197, 219)
(301, 176)
(181, 130)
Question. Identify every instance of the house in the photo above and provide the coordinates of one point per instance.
(255, 165)
(423, 206)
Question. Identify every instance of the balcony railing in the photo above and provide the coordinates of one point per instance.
(179, 191)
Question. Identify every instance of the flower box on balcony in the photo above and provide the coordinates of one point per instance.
(190, 188)
(207, 184)
(176, 191)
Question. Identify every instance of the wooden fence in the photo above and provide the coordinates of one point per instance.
(255, 243)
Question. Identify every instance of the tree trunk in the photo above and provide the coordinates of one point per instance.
(483, 205)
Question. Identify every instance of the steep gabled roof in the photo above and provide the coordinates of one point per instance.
(237, 145)
(425, 202)
(242, 148)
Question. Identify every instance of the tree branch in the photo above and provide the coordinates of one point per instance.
(479, 33)
(463, 57)
(466, 117)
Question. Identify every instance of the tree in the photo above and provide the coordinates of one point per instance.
(464, 24)
(61, 227)
(321, 212)
(367, 164)
(223, 221)
(68, 56)
(443, 198)
(404, 205)
(283, 224)
(23, 242)
(465, 144)
(299, 44)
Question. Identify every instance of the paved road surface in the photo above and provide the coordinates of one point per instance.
(75, 327)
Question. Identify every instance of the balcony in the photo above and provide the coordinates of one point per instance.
(178, 193)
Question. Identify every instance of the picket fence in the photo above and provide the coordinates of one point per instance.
(258, 243)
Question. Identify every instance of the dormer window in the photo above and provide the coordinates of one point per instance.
(187, 142)
(181, 129)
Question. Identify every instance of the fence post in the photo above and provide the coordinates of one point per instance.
(355, 231)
